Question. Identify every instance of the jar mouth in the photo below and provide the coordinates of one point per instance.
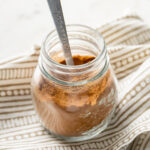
(49, 60)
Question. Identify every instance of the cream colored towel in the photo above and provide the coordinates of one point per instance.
(128, 40)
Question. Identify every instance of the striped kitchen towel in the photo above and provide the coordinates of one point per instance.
(128, 43)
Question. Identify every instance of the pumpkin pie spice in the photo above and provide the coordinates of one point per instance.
(73, 110)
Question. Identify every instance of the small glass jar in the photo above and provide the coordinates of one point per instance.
(74, 102)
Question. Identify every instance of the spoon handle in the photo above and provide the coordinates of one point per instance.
(57, 14)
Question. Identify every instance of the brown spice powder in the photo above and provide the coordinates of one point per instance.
(73, 110)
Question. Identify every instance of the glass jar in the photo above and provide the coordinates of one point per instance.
(74, 102)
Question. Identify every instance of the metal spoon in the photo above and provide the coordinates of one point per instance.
(57, 14)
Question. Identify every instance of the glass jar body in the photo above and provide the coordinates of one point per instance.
(76, 103)
(80, 112)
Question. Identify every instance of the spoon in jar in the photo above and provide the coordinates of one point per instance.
(57, 14)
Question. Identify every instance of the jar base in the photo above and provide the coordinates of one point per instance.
(86, 135)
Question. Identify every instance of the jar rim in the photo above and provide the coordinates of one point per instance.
(49, 60)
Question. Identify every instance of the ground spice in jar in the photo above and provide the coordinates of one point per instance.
(73, 110)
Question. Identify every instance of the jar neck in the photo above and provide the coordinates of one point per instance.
(83, 41)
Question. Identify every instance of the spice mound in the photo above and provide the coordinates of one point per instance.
(73, 110)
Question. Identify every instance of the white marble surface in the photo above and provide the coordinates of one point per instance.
(25, 22)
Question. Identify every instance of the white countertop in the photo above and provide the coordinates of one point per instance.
(26, 22)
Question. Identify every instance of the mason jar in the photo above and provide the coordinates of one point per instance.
(74, 102)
